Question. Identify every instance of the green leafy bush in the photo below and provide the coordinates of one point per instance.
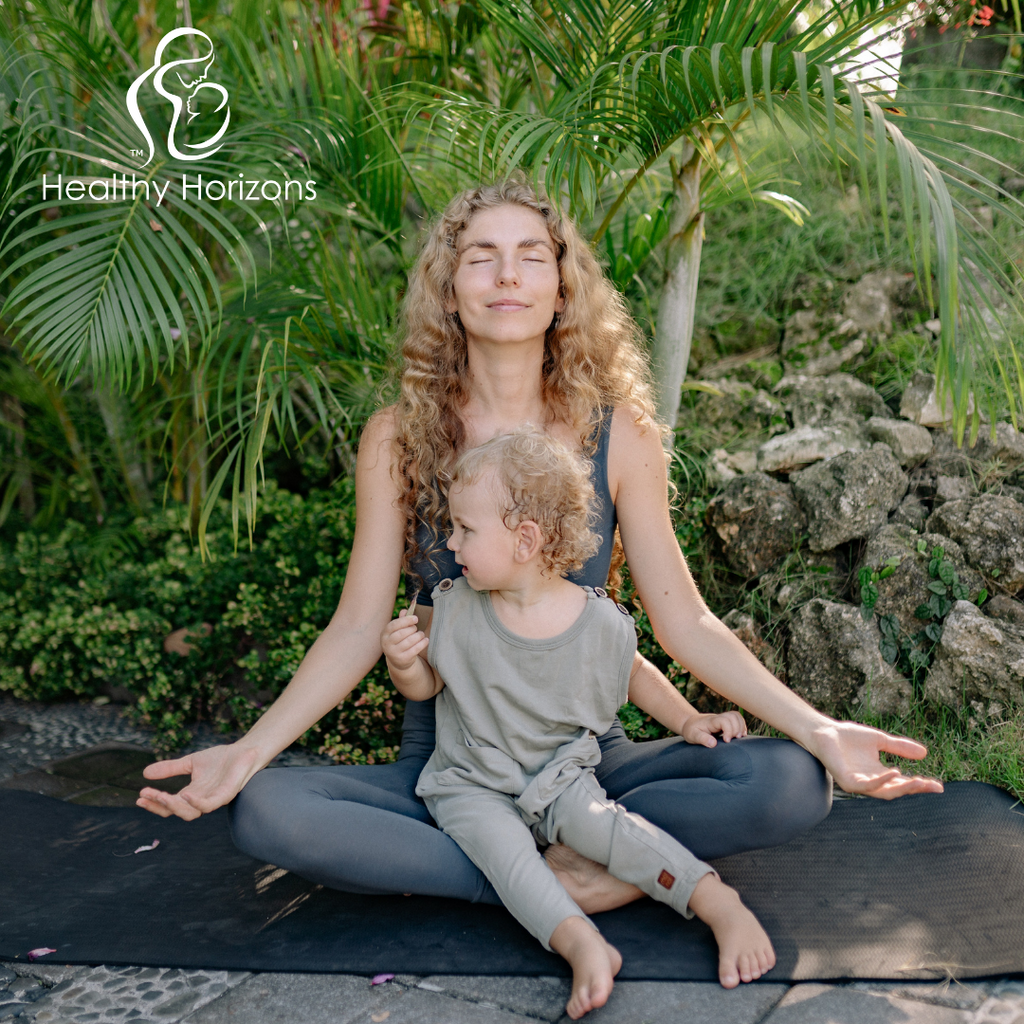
(85, 613)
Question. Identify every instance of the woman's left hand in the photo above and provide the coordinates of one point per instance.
(850, 751)
(700, 730)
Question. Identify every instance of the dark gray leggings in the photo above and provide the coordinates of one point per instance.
(361, 828)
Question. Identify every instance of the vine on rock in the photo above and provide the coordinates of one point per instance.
(911, 653)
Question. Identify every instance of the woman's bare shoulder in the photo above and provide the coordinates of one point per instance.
(632, 427)
(634, 448)
(382, 425)
(378, 436)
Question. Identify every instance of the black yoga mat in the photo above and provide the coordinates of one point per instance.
(923, 887)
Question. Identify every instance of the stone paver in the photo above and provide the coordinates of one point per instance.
(831, 1004)
(57, 729)
(49, 974)
(18, 995)
(1004, 1006)
(659, 1002)
(115, 995)
(58, 994)
(544, 998)
(344, 999)
(961, 995)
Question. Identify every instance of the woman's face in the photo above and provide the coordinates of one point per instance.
(506, 286)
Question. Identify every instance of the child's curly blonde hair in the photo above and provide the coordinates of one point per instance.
(542, 480)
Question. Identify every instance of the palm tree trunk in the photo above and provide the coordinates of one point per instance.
(111, 405)
(14, 414)
(148, 32)
(79, 456)
(674, 330)
(198, 471)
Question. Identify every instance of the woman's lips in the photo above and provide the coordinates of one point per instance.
(507, 307)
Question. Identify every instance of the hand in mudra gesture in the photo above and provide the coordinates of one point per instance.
(218, 775)
(850, 751)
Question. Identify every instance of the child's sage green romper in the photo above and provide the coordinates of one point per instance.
(516, 749)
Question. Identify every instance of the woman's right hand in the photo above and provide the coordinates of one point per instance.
(218, 775)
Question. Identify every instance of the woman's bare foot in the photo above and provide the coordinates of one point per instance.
(593, 961)
(588, 882)
(744, 949)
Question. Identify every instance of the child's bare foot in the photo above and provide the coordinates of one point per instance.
(744, 949)
(588, 882)
(593, 961)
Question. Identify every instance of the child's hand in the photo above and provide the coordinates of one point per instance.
(700, 729)
(402, 641)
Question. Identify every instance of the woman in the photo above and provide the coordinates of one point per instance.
(509, 320)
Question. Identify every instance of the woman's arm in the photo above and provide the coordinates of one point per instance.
(346, 650)
(689, 633)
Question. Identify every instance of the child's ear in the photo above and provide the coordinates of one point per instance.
(529, 541)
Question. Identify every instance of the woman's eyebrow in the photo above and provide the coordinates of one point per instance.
(526, 243)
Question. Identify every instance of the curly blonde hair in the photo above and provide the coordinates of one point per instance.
(592, 360)
(539, 479)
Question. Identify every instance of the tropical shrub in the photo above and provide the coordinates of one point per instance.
(80, 619)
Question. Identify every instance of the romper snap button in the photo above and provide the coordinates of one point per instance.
(622, 608)
(600, 591)
(445, 584)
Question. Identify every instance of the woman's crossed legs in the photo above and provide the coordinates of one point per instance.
(361, 828)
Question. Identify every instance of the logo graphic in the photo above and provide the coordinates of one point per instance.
(159, 70)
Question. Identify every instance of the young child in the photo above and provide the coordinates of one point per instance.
(528, 668)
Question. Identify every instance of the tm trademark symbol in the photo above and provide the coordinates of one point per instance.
(136, 152)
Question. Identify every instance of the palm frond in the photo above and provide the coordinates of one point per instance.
(316, 359)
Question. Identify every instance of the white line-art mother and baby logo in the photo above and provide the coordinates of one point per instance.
(188, 78)
(191, 75)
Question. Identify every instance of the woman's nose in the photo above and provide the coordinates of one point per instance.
(508, 273)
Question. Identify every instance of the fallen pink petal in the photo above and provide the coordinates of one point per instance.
(144, 849)
(379, 979)
(35, 954)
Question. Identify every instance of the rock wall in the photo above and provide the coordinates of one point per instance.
(877, 491)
